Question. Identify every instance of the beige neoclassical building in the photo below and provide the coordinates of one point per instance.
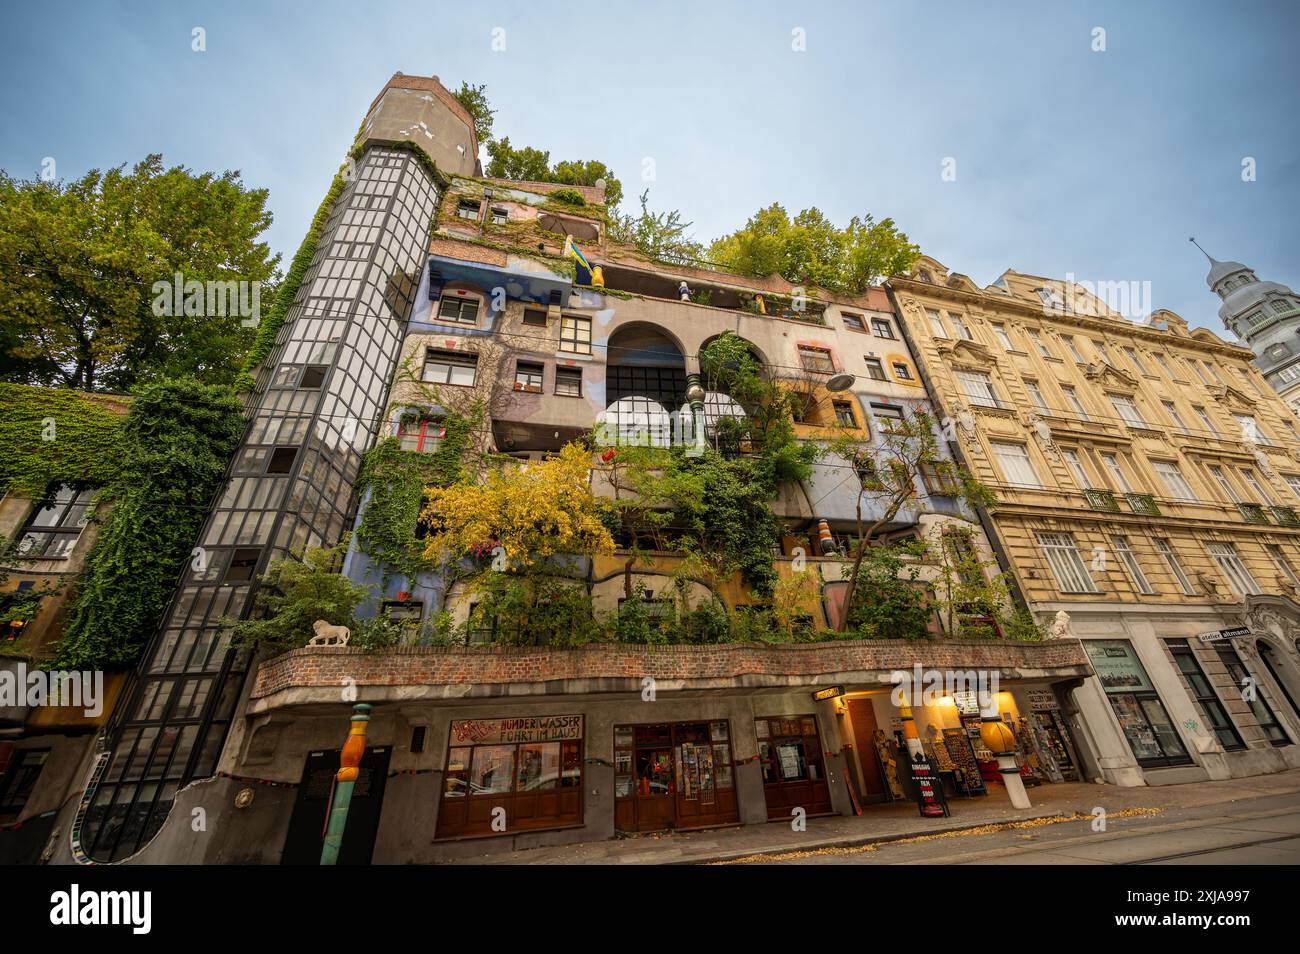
(1148, 481)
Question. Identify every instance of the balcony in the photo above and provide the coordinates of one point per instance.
(1285, 516)
(1253, 513)
(1101, 500)
(1143, 504)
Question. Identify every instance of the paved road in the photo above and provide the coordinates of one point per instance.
(1259, 831)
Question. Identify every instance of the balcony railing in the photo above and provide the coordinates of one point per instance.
(1101, 500)
(1286, 516)
(1253, 513)
(1143, 504)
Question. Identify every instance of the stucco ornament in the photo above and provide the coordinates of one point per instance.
(1044, 433)
(328, 634)
(1060, 628)
(967, 421)
(1265, 619)
(1265, 463)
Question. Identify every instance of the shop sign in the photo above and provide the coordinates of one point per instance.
(528, 729)
(1236, 632)
(830, 692)
(1041, 700)
(968, 703)
(928, 798)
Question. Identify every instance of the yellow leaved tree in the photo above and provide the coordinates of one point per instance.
(531, 512)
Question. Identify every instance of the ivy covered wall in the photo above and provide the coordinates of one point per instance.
(157, 459)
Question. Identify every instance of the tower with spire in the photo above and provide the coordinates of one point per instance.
(1264, 315)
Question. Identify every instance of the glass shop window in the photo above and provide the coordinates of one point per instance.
(789, 750)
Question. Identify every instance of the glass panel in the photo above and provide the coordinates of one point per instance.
(1170, 743)
(456, 781)
(492, 770)
(539, 767)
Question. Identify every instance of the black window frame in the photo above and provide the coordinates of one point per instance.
(1203, 693)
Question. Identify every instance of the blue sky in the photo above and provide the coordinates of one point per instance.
(1099, 164)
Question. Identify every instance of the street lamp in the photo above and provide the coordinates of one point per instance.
(840, 382)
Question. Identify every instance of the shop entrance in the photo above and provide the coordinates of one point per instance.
(673, 775)
(794, 774)
(302, 843)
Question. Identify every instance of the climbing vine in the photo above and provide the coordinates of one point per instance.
(173, 451)
(395, 480)
(50, 436)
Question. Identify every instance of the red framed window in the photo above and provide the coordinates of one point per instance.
(423, 436)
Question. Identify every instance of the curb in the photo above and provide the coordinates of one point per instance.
(855, 841)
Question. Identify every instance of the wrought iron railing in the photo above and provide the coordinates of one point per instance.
(1101, 500)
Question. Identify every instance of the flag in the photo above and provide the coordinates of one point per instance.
(571, 248)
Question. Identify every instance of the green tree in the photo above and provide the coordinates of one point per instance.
(893, 469)
(294, 594)
(659, 235)
(475, 101)
(78, 263)
(809, 249)
(533, 165)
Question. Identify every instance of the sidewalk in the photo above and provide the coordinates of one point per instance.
(881, 823)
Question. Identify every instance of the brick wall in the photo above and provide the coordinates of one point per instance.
(703, 666)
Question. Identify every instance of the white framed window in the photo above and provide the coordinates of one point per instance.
(1076, 468)
(1072, 399)
(875, 370)
(1214, 372)
(1174, 416)
(1252, 481)
(1282, 563)
(1205, 419)
(1036, 396)
(936, 323)
(1175, 483)
(979, 388)
(1175, 568)
(1016, 465)
(1234, 571)
(1070, 347)
(1000, 332)
(1164, 363)
(1196, 366)
(1127, 410)
(1126, 556)
(1137, 362)
(1039, 344)
(1067, 565)
(1118, 480)
(1293, 481)
(1226, 485)
(1100, 348)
